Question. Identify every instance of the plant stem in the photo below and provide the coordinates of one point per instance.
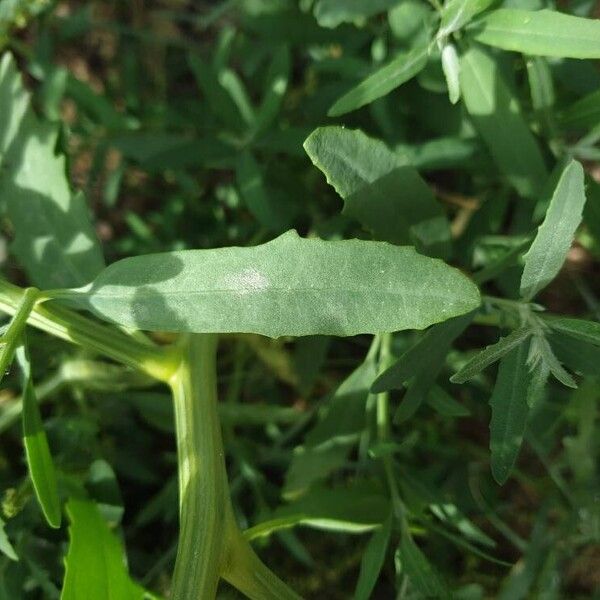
(383, 435)
(68, 325)
(203, 496)
(211, 544)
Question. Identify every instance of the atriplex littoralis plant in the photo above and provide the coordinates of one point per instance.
(294, 287)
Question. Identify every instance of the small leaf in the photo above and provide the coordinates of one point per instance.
(331, 13)
(37, 451)
(289, 286)
(509, 412)
(425, 357)
(443, 403)
(95, 563)
(372, 561)
(497, 116)
(587, 331)
(457, 13)
(451, 68)
(541, 33)
(491, 354)
(5, 546)
(579, 356)
(399, 70)
(549, 249)
(353, 509)
(421, 574)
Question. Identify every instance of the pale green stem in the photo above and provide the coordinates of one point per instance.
(210, 545)
(75, 328)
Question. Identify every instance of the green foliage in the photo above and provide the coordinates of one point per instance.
(326, 288)
(379, 374)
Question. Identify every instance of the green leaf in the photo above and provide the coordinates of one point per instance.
(584, 113)
(331, 13)
(289, 286)
(491, 354)
(54, 238)
(95, 563)
(457, 13)
(399, 70)
(424, 578)
(451, 68)
(587, 331)
(497, 116)
(372, 560)
(328, 444)
(423, 357)
(260, 202)
(442, 402)
(509, 412)
(576, 354)
(5, 546)
(37, 451)
(389, 199)
(357, 508)
(541, 33)
(549, 249)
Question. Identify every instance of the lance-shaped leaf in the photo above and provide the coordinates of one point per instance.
(457, 13)
(509, 411)
(587, 331)
(496, 115)
(541, 33)
(424, 357)
(414, 564)
(54, 237)
(289, 286)
(388, 197)
(387, 78)
(95, 565)
(372, 561)
(37, 451)
(549, 249)
(491, 354)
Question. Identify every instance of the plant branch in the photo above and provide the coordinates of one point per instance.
(158, 362)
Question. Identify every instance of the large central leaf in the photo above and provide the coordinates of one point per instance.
(289, 286)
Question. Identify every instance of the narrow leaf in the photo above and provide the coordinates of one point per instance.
(421, 574)
(491, 354)
(549, 249)
(497, 116)
(426, 354)
(37, 451)
(587, 331)
(509, 412)
(5, 546)
(541, 33)
(289, 286)
(399, 70)
(95, 563)
(457, 13)
(451, 68)
(372, 561)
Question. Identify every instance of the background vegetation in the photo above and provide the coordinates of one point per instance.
(184, 124)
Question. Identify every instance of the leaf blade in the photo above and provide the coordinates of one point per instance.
(289, 286)
(540, 33)
(549, 249)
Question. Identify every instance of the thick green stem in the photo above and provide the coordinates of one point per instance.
(210, 545)
(203, 498)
